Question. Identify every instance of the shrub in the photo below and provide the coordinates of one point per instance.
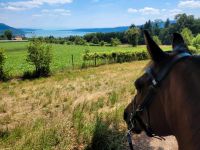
(157, 40)
(61, 42)
(2, 61)
(115, 57)
(102, 43)
(69, 43)
(39, 55)
(79, 41)
(187, 35)
(115, 42)
(99, 58)
(196, 42)
(95, 40)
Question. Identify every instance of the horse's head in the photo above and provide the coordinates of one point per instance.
(146, 111)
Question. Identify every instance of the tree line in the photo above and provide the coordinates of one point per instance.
(187, 25)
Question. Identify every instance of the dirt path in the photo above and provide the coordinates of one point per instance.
(142, 142)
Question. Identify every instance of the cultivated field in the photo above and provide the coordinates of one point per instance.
(16, 53)
(79, 109)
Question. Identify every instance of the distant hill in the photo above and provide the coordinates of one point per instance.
(116, 29)
(15, 31)
(104, 30)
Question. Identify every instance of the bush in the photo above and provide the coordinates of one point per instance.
(115, 42)
(61, 42)
(39, 55)
(102, 43)
(157, 40)
(99, 58)
(187, 35)
(196, 42)
(95, 40)
(2, 61)
(79, 41)
(115, 57)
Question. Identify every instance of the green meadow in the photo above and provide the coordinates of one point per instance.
(16, 53)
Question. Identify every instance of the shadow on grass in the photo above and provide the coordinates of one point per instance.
(106, 138)
(31, 75)
(4, 134)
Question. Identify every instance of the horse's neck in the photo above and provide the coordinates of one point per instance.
(184, 108)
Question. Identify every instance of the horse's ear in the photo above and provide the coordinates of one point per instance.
(154, 50)
(179, 43)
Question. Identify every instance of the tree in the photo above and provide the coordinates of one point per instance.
(196, 42)
(8, 34)
(184, 21)
(148, 26)
(165, 36)
(115, 42)
(132, 35)
(167, 23)
(132, 26)
(157, 40)
(79, 41)
(95, 40)
(39, 55)
(187, 35)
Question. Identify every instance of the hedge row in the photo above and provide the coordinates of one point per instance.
(118, 57)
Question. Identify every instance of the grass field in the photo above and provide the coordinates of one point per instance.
(72, 109)
(16, 53)
(78, 109)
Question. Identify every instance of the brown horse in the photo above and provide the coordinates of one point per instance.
(168, 95)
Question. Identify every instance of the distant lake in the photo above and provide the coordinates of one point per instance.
(55, 33)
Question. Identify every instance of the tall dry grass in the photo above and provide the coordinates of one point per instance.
(80, 109)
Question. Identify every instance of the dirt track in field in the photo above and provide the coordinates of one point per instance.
(142, 142)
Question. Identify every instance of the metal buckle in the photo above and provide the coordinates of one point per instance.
(154, 82)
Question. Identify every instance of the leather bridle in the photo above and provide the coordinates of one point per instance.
(144, 106)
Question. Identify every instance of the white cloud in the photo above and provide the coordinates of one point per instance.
(145, 11)
(149, 11)
(189, 4)
(24, 5)
(174, 12)
(131, 10)
(53, 12)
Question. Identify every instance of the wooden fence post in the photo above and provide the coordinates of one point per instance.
(73, 61)
(95, 61)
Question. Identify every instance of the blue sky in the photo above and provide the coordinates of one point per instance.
(64, 14)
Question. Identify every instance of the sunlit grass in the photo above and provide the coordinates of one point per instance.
(79, 109)
(16, 53)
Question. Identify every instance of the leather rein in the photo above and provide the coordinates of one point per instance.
(155, 83)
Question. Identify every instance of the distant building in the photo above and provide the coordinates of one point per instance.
(18, 38)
